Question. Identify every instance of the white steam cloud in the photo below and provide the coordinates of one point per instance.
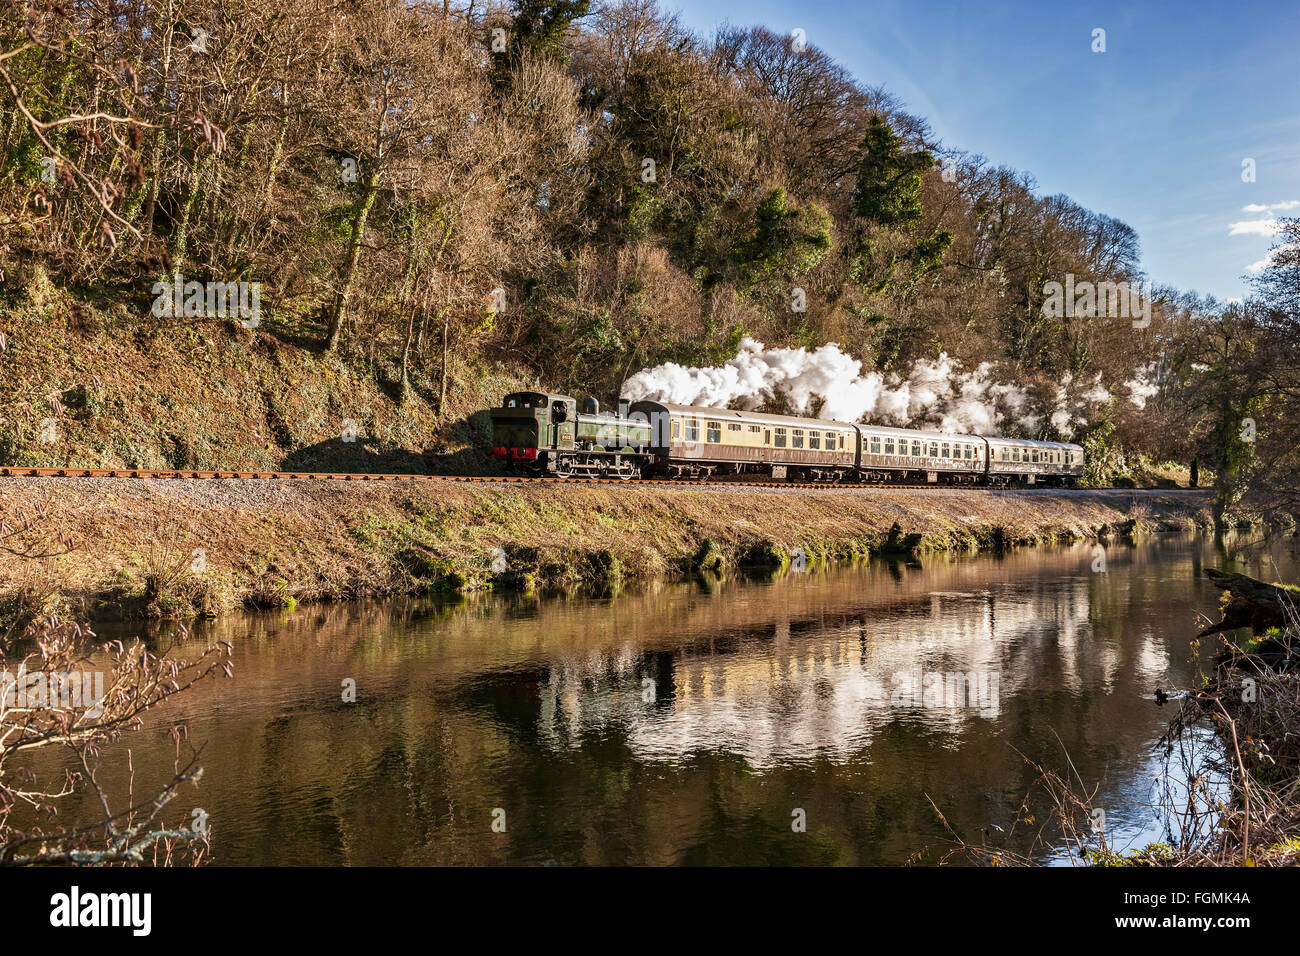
(828, 381)
(1143, 385)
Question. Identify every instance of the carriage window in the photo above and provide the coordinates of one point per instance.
(968, 454)
(797, 438)
(780, 438)
(677, 430)
(934, 449)
(713, 432)
(841, 442)
(733, 427)
(916, 449)
(875, 445)
(946, 451)
(889, 446)
(815, 440)
(692, 429)
(755, 429)
(1034, 453)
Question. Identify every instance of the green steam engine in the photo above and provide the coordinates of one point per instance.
(543, 434)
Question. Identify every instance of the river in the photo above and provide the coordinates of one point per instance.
(737, 721)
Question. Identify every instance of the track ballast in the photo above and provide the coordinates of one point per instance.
(11, 471)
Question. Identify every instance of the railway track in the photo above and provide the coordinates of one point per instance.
(9, 471)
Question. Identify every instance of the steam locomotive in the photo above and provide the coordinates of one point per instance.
(545, 434)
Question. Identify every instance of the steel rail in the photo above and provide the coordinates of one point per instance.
(12, 471)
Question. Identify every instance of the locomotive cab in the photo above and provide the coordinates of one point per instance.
(529, 423)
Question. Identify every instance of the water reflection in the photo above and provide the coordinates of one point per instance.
(685, 723)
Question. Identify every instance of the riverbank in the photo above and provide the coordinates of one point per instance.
(177, 548)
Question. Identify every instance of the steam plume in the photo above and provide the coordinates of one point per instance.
(831, 384)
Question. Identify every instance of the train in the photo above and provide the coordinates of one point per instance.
(539, 433)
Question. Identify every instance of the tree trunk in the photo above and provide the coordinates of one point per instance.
(155, 161)
(446, 336)
(277, 154)
(404, 385)
(181, 235)
(1253, 604)
(353, 257)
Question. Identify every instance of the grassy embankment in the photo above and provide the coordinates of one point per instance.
(183, 547)
(124, 389)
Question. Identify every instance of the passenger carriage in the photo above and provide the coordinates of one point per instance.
(905, 454)
(1034, 462)
(691, 441)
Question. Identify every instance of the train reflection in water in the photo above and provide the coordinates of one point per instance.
(807, 688)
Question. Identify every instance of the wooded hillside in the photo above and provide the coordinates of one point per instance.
(570, 191)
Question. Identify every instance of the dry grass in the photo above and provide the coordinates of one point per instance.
(283, 542)
(126, 390)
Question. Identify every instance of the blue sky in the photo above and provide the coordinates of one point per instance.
(1153, 131)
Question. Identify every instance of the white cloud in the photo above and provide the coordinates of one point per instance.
(1272, 207)
(1267, 261)
(1255, 227)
